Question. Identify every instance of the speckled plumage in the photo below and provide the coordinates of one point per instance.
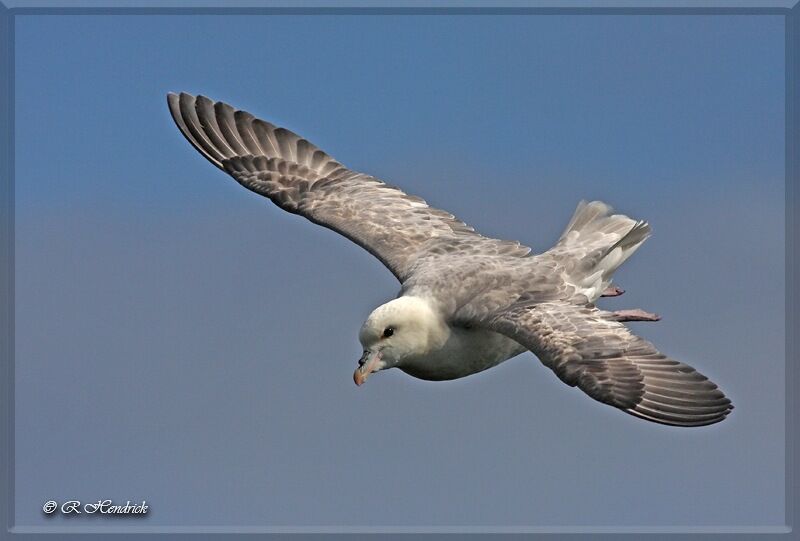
(495, 298)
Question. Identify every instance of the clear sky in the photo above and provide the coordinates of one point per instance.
(181, 340)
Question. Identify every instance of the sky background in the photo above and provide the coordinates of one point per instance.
(181, 340)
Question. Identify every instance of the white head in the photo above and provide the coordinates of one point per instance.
(403, 329)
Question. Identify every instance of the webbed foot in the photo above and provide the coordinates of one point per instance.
(634, 315)
(612, 291)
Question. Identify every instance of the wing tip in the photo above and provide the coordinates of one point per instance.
(682, 420)
(184, 111)
(175, 98)
(220, 131)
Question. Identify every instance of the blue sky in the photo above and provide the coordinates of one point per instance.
(180, 340)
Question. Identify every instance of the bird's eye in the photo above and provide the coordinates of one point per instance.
(388, 331)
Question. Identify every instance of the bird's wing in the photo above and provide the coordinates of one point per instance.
(609, 363)
(395, 227)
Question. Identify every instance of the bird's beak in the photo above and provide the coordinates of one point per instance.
(369, 362)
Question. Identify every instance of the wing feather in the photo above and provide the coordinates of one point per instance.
(397, 228)
(587, 349)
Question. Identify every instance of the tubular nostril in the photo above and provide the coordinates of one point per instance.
(363, 359)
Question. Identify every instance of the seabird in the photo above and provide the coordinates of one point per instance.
(467, 302)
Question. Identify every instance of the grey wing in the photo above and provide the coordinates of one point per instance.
(395, 227)
(609, 363)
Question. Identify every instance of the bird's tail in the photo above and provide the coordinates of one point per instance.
(598, 242)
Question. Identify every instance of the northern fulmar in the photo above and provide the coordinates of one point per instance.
(467, 302)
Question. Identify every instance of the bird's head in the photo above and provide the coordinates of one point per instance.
(403, 329)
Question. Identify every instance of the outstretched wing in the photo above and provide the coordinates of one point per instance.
(395, 227)
(605, 360)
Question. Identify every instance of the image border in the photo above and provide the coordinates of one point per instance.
(789, 9)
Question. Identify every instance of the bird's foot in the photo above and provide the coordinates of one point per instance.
(634, 315)
(612, 291)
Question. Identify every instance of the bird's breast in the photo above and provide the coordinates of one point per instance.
(465, 352)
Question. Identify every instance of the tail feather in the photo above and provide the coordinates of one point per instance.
(598, 242)
(623, 249)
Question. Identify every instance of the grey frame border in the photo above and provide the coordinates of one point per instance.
(790, 9)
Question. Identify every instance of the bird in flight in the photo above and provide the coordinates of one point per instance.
(467, 302)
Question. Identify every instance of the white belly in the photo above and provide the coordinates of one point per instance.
(466, 352)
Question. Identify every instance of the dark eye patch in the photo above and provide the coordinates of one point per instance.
(388, 331)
